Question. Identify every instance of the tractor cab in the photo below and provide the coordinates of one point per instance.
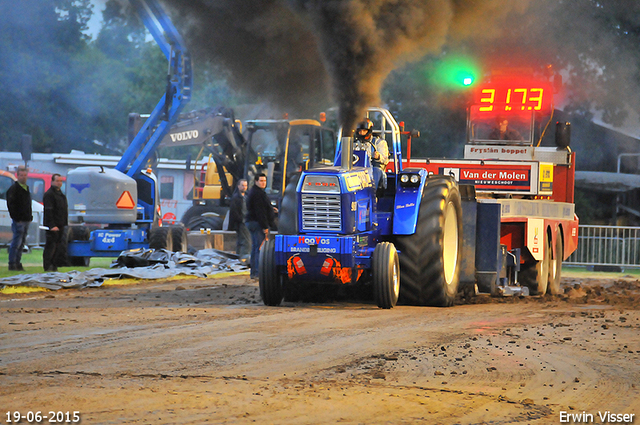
(497, 128)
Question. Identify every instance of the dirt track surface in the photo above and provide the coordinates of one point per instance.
(208, 351)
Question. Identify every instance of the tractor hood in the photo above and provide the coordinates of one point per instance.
(336, 180)
(333, 200)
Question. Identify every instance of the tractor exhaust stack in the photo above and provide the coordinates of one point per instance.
(347, 153)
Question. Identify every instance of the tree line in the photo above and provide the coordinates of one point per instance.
(72, 91)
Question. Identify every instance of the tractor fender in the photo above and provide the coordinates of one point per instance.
(407, 204)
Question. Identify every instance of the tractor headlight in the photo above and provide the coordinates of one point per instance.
(410, 179)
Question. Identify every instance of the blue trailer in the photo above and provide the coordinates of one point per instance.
(122, 204)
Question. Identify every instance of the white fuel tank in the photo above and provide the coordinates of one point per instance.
(101, 195)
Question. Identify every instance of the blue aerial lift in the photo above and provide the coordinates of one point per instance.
(124, 202)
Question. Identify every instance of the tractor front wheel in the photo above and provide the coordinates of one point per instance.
(386, 275)
(79, 233)
(204, 217)
(270, 281)
(179, 238)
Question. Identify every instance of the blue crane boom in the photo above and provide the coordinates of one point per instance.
(178, 92)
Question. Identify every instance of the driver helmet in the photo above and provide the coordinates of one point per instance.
(364, 129)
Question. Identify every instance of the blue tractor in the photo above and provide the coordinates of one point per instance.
(402, 242)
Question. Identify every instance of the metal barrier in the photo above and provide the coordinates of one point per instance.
(607, 246)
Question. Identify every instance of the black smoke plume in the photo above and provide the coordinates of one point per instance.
(362, 41)
(290, 51)
(268, 50)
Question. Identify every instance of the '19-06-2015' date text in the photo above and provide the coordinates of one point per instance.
(40, 417)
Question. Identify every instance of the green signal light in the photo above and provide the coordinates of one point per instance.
(455, 72)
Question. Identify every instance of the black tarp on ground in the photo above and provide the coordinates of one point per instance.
(140, 264)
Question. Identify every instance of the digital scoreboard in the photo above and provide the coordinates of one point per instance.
(513, 97)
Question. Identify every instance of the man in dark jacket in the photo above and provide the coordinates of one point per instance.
(260, 217)
(237, 214)
(55, 219)
(19, 205)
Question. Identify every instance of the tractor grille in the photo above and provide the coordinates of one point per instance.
(321, 212)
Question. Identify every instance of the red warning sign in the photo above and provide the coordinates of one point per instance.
(126, 201)
(169, 218)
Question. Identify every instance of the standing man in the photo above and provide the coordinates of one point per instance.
(55, 218)
(260, 217)
(19, 204)
(237, 214)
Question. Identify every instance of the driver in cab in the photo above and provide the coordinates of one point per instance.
(377, 148)
(502, 131)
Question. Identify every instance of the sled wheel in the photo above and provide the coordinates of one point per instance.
(430, 258)
(269, 280)
(179, 239)
(160, 238)
(535, 275)
(386, 275)
(555, 268)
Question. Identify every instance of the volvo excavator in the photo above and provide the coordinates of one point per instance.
(280, 148)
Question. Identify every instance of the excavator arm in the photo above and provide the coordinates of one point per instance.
(213, 129)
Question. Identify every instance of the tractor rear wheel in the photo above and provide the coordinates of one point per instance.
(430, 257)
(160, 238)
(555, 269)
(179, 239)
(386, 275)
(535, 275)
(270, 281)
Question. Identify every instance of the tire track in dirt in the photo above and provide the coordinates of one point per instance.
(191, 352)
